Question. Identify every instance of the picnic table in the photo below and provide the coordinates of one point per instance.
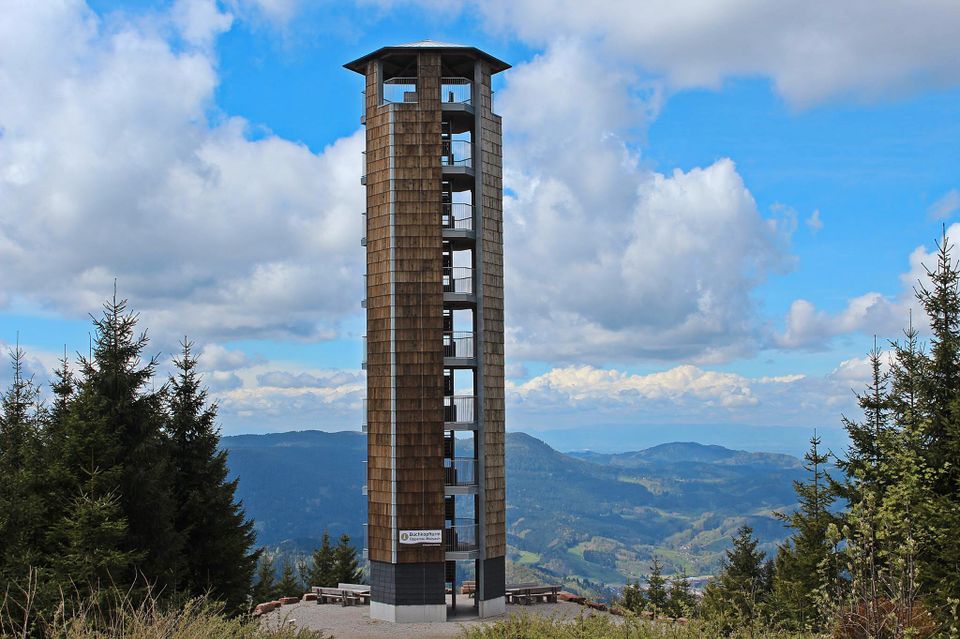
(343, 594)
(526, 594)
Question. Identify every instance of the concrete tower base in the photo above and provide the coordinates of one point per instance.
(492, 607)
(408, 614)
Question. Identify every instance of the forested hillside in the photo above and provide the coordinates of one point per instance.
(598, 518)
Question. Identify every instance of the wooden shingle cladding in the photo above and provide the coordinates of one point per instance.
(490, 251)
(404, 288)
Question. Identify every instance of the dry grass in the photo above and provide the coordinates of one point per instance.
(111, 615)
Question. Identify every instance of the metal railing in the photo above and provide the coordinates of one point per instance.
(399, 90)
(457, 215)
(363, 107)
(458, 279)
(460, 471)
(462, 536)
(364, 360)
(458, 344)
(456, 153)
(363, 418)
(363, 229)
(460, 408)
(363, 166)
(455, 90)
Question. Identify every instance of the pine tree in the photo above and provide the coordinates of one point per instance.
(217, 536)
(23, 506)
(681, 602)
(265, 588)
(346, 567)
(735, 596)
(322, 569)
(802, 565)
(289, 584)
(656, 587)
(940, 430)
(633, 597)
(113, 437)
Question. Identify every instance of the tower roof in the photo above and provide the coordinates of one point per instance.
(359, 65)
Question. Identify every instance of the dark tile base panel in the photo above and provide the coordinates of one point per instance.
(409, 584)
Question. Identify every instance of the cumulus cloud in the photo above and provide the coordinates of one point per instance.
(807, 327)
(329, 379)
(812, 50)
(606, 259)
(814, 223)
(111, 166)
(686, 394)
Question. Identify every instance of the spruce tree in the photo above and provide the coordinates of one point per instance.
(939, 431)
(656, 587)
(23, 503)
(633, 597)
(322, 569)
(114, 444)
(735, 596)
(289, 584)
(802, 568)
(217, 554)
(681, 602)
(265, 587)
(346, 567)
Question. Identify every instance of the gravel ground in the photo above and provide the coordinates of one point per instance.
(353, 622)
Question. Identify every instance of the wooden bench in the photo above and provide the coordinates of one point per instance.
(527, 594)
(468, 587)
(343, 594)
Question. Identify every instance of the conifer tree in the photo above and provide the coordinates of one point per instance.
(633, 597)
(289, 584)
(322, 569)
(346, 567)
(217, 554)
(736, 595)
(802, 568)
(114, 444)
(265, 588)
(940, 428)
(656, 587)
(23, 507)
(680, 600)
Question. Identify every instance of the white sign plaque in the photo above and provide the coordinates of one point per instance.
(421, 537)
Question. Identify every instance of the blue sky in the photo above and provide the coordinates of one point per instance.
(712, 207)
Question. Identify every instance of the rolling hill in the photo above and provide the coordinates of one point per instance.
(595, 518)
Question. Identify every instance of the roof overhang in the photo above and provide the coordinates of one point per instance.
(360, 64)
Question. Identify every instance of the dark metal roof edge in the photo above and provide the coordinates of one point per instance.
(359, 65)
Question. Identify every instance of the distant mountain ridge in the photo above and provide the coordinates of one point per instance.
(587, 517)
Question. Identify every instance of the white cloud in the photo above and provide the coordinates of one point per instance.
(685, 394)
(814, 223)
(812, 50)
(110, 167)
(873, 313)
(604, 258)
(946, 206)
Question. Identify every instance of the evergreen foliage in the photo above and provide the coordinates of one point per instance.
(265, 586)
(289, 584)
(118, 486)
(346, 566)
(736, 596)
(806, 566)
(322, 568)
(681, 602)
(656, 588)
(217, 537)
